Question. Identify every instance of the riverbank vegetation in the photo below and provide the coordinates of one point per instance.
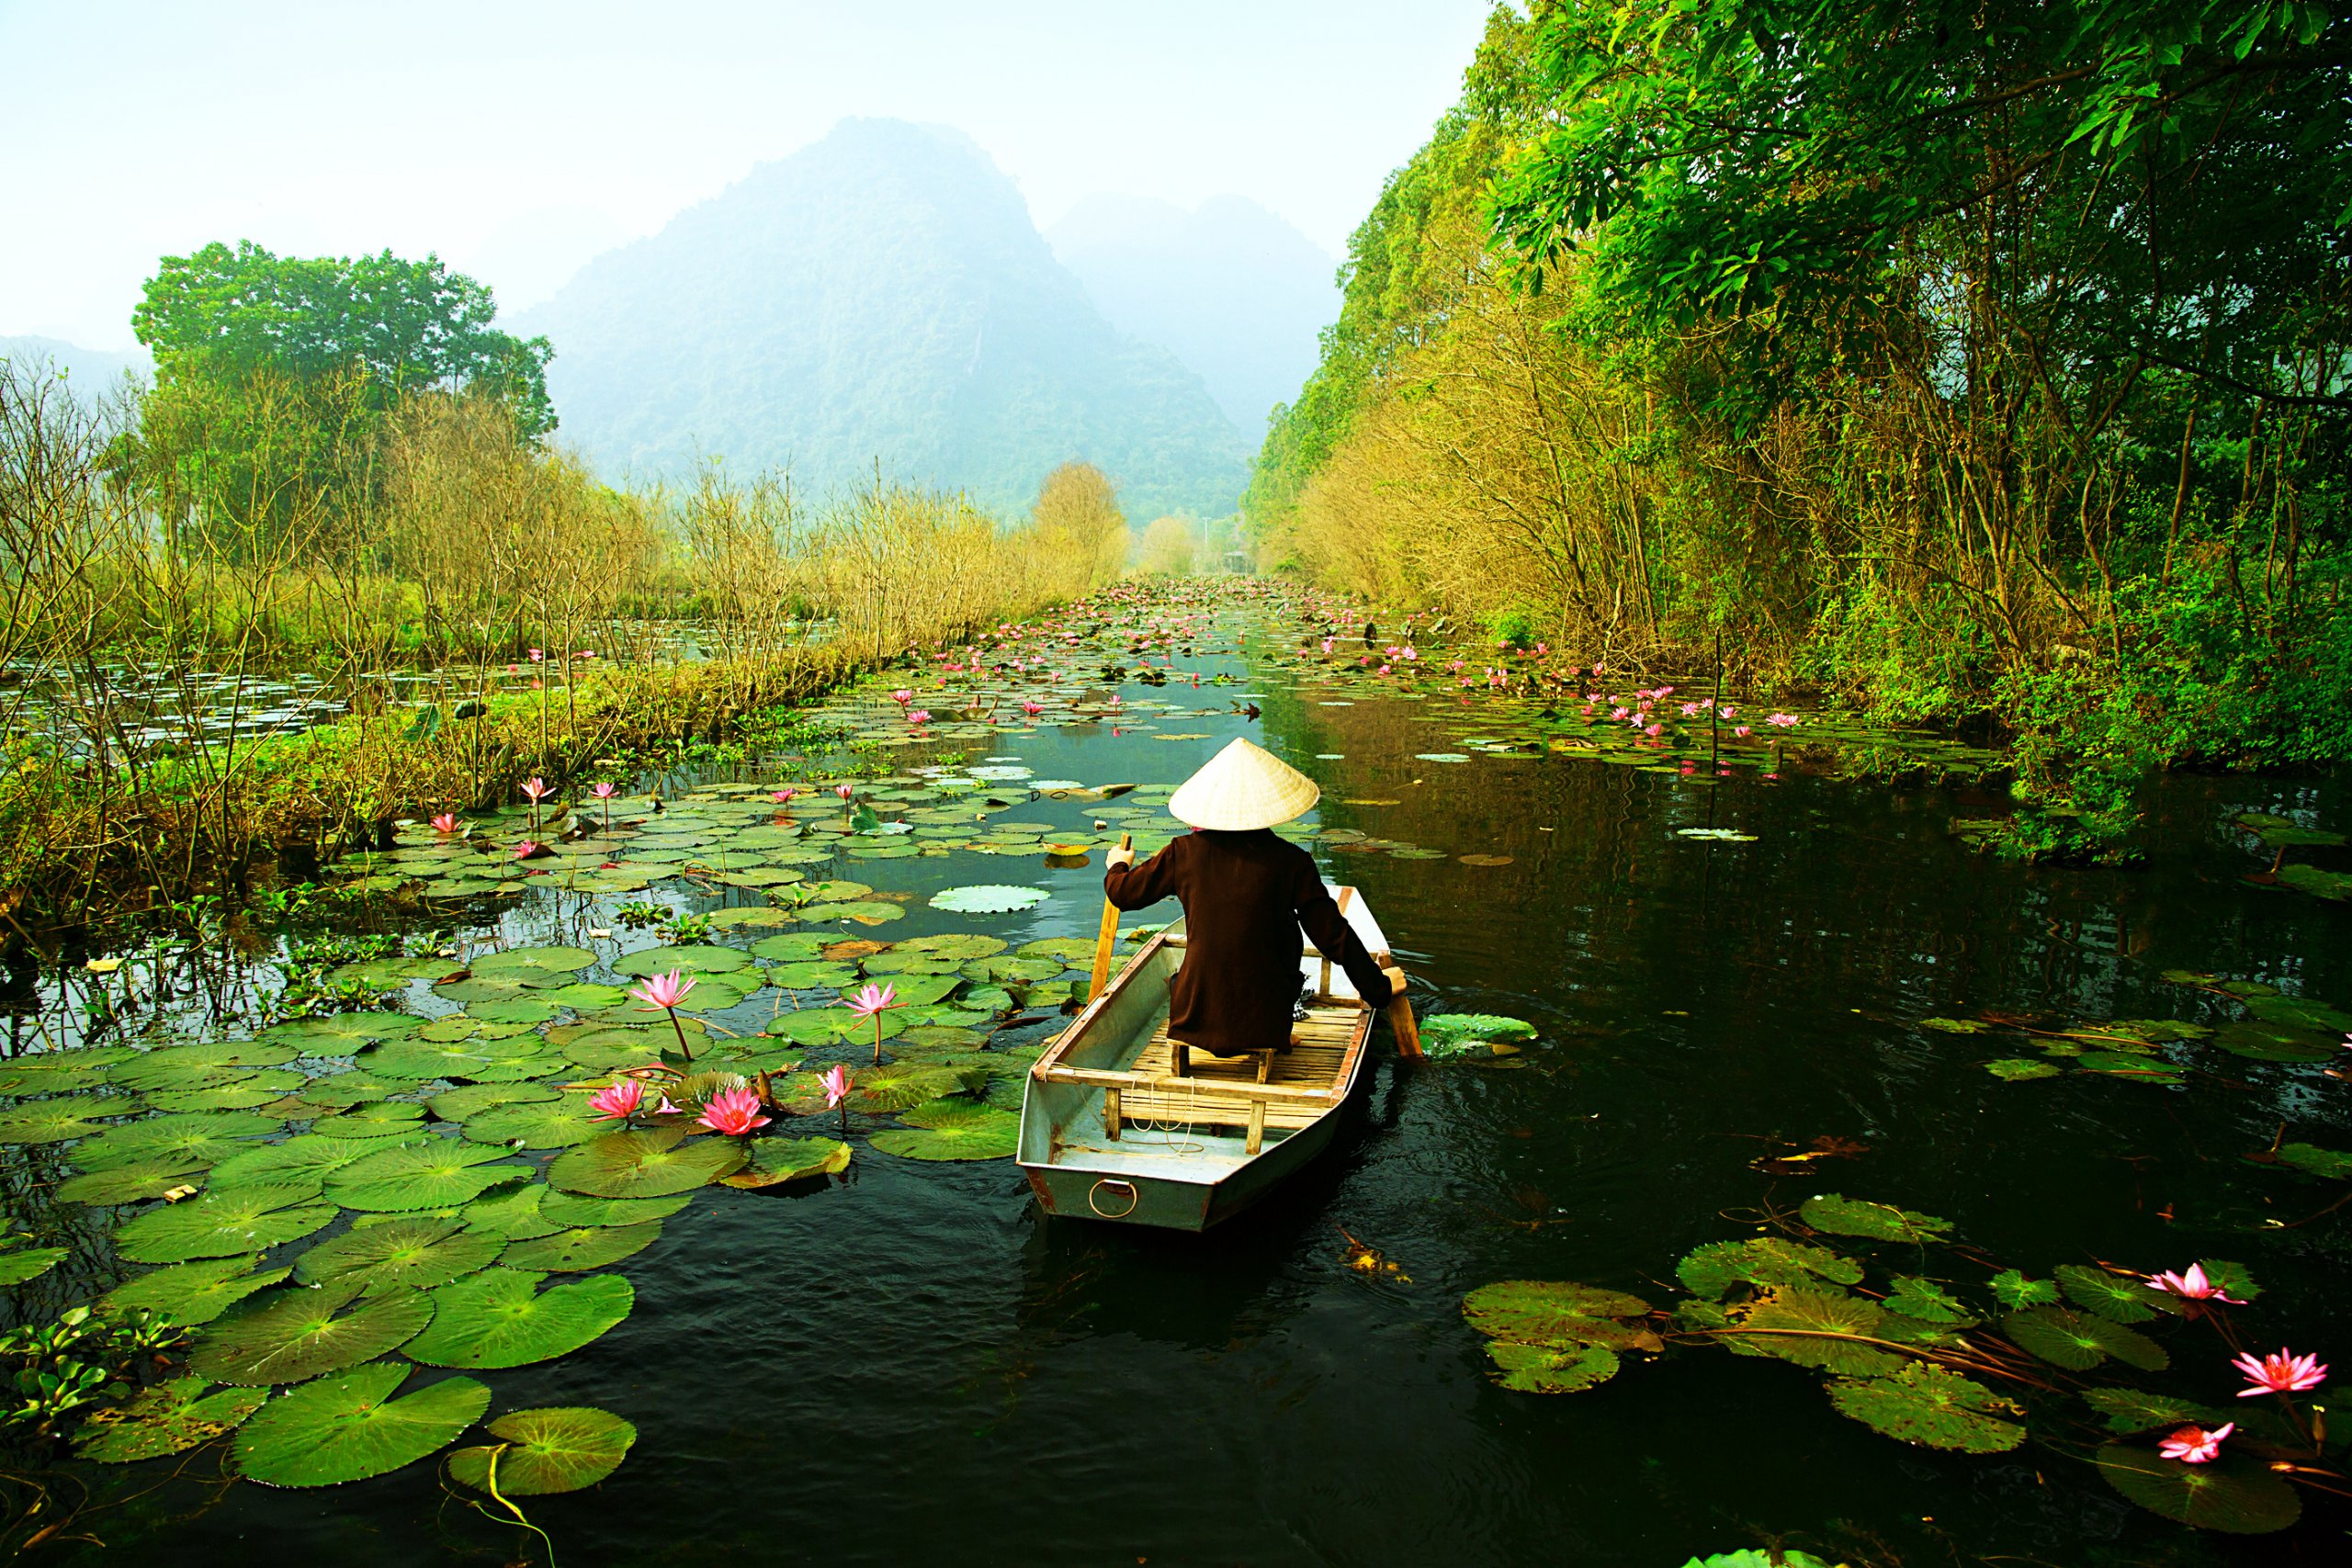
(1972, 364)
(175, 556)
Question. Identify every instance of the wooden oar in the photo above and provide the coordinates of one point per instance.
(1401, 1021)
(1108, 937)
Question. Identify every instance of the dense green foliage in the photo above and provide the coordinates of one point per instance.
(879, 299)
(1967, 361)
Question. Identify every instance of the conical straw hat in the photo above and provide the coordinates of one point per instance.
(1241, 788)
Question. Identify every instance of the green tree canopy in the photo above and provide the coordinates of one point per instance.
(406, 325)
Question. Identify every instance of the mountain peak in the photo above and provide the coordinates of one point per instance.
(880, 293)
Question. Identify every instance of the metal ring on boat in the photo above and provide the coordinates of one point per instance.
(1134, 1197)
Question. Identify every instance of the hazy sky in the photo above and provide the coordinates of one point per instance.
(518, 138)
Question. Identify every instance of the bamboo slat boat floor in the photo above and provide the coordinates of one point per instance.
(1317, 1062)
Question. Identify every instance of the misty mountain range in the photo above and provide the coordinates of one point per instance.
(882, 297)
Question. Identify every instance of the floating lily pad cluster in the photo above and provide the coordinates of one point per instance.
(2257, 1023)
(1917, 1352)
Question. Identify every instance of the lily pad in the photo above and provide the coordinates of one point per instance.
(299, 1335)
(987, 900)
(952, 1131)
(439, 1174)
(221, 1224)
(1713, 1268)
(2017, 1070)
(1924, 1403)
(1841, 1215)
(1814, 1329)
(1543, 1368)
(900, 1087)
(653, 1163)
(588, 1247)
(29, 1263)
(547, 1450)
(404, 1254)
(296, 1159)
(350, 1427)
(2264, 1041)
(339, 1033)
(2334, 1164)
(130, 1183)
(55, 1121)
(523, 961)
(2130, 1410)
(2078, 1340)
(2234, 1494)
(696, 959)
(778, 1160)
(500, 1318)
(456, 1104)
(541, 1125)
(2116, 1298)
(569, 1208)
(167, 1418)
(194, 1293)
(2012, 1289)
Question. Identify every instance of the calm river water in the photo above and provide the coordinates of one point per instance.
(912, 1365)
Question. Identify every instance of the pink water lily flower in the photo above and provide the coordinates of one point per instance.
(618, 1100)
(903, 696)
(841, 790)
(1742, 731)
(539, 655)
(2285, 1373)
(734, 1111)
(2195, 1444)
(601, 791)
(1032, 709)
(873, 999)
(663, 991)
(447, 823)
(918, 715)
(2191, 1285)
(526, 848)
(536, 788)
(835, 1084)
(1780, 720)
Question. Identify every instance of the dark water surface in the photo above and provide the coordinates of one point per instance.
(913, 1365)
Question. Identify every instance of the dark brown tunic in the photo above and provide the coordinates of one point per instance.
(1246, 895)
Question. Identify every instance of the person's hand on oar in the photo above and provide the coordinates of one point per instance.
(1123, 855)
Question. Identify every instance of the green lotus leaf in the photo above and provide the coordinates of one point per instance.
(543, 1451)
(525, 960)
(242, 1095)
(2130, 1410)
(2316, 881)
(2016, 1069)
(1924, 1403)
(509, 1214)
(167, 1418)
(2079, 1341)
(2232, 1278)
(378, 1119)
(866, 911)
(440, 1174)
(2262, 1041)
(220, 1224)
(696, 959)
(2012, 1289)
(2236, 1495)
(543, 1125)
(987, 900)
(1814, 1329)
(354, 1088)
(1841, 1215)
(2116, 1298)
(1929, 1303)
(55, 1121)
(350, 1427)
(809, 976)
(1756, 1557)
(608, 1046)
(901, 1085)
(778, 1160)
(514, 1010)
(391, 974)
(826, 1025)
(404, 1254)
(713, 992)
(589, 1246)
(130, 1183)
(567, 1210)
(1542, 1368)
(1452, 1028)
(653, 1163)
(260, 1053)
(1011, 971)
(456, 1104)
(305, 1158)
(2122, 1064)
(1715, 1267)
(1955, 1025)
(954, 1131)
(1553, 1312)
(294, 1336)
(194, 1293)
(2333, 1164)
(339, 1033)
(29, 1263)
(500, 1318)
(793, 947)
(2305, 1011)
(1072, 951)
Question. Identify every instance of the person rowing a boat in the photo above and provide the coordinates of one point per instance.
(1247, 894)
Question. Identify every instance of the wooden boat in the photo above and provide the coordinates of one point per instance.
(1108, 1132)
